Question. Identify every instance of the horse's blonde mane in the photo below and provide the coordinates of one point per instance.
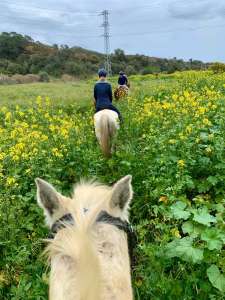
(89, 259)
(77, 242)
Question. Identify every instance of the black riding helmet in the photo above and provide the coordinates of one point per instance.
(102, 73)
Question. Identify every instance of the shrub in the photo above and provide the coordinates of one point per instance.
(44, 77)
(218, 68)
(66, 77)
(4, 79)
(29, 78)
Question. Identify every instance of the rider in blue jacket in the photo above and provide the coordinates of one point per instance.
(103, 94)
(122, 80)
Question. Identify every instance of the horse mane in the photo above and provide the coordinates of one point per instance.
(77, 242)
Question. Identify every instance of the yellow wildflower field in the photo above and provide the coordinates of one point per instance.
(172, 142)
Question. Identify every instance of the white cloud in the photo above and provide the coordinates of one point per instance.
(169, 24)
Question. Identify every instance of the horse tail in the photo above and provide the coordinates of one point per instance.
(106, 132)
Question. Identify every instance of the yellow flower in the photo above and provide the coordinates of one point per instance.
(2, 155)
(172, 141)
(8, 116)
(189, 129)
(39, 100)
(208, 150)
(21, 114)
(181, 163)
(56, 152)
(163, 199)
(175, 232)
(202, 110)
(207, 122)
(10, 181)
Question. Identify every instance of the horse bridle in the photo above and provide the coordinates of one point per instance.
(103, 217)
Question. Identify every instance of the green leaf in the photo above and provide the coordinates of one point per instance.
(219, 207)
(212, 179)
(204, 136)
(222, 237)
(178, 210)
(213, 238)
(216, 278)
(184, 249)
(203, 217)
(192, 229)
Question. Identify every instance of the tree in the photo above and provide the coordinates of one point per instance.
(12, 45)
(74, 69)
(14, 68)
(119, 55)
(218, 67)
(151, 70)
(130, 70)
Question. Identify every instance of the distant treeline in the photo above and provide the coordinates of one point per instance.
(20, 54)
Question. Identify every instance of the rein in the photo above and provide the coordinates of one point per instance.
(103, 217)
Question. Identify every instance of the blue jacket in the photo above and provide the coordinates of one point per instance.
(102, 94)
(122, 80)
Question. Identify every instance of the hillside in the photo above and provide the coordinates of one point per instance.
(22, 55)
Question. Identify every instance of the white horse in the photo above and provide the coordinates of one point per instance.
(106, 126)
(89, 246)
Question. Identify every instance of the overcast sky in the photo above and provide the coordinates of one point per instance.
(162, 28)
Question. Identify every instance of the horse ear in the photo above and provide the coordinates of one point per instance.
(47, 197)
(122, 193)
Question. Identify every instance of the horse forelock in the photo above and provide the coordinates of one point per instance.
(88, 195)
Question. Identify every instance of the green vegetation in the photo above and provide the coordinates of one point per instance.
(21, 55)
(172, 142)
(218, 67)
(60, 92)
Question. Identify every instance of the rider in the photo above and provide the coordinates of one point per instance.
(103, 94)
(122, 80)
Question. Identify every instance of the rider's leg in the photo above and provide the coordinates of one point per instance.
(112, 107)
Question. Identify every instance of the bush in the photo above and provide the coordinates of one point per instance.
(19, 79)
(44, 77)
(29, 78)
(151, 70)
(218, 68)
(14, 68)
(66, 77)
(4, 79)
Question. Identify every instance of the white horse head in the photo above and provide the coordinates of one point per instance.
(89, 248)
(106, 125)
